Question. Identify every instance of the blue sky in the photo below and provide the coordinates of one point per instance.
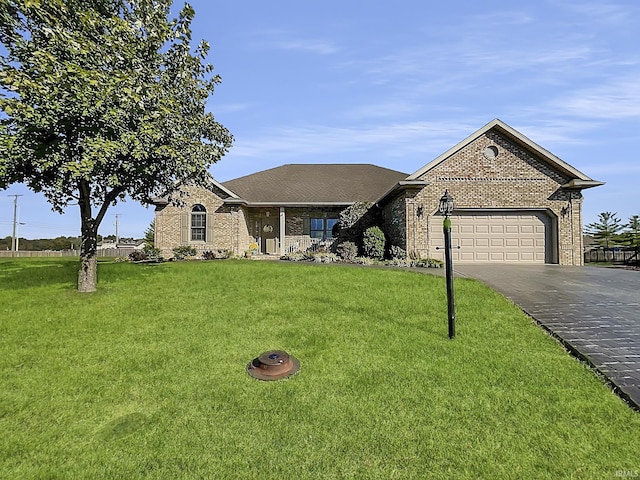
(398, 83)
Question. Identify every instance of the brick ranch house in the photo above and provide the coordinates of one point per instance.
(514, 202)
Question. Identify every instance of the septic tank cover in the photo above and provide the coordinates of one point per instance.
(273, 365)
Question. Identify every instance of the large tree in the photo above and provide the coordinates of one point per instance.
(103, 100)
(605, 229)
(631, 235)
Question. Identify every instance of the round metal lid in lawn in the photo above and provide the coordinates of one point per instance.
(273, 365)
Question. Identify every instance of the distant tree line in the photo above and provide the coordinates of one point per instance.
(59, 243)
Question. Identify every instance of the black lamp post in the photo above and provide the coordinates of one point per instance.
(446, 207)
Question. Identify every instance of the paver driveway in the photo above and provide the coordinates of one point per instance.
(595, 311)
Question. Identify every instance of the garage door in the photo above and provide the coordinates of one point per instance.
(495, 237)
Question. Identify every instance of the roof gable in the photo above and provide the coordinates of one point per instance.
(337, 184)
(519, 139)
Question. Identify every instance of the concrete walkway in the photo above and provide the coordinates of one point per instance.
(594, 311)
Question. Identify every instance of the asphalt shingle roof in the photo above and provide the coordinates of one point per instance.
(316, 183)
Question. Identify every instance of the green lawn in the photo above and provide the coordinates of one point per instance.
(146, 378)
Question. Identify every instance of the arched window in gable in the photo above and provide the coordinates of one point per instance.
(198, 223)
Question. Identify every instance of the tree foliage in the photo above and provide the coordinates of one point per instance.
(104, 99)
(605, 229)
(631, 234)
(58, 243)
(150, 234)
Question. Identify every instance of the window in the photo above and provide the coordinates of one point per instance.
(321, 228)
(198, 223)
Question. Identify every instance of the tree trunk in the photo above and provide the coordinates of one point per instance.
(88, 274)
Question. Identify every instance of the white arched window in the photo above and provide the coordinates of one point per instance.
(198, 223)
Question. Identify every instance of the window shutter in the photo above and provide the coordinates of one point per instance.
(306, 228)
(209, 234)
(184, 228)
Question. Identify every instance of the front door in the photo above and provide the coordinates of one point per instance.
(269, 235)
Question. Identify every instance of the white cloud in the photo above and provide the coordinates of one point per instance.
(617, 99)
(282, 40)
(389, 139)
(319, 47)
(231, 108)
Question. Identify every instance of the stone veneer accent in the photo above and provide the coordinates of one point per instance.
(514, 180)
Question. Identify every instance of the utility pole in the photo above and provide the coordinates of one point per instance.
(117, 237)
(14, 240)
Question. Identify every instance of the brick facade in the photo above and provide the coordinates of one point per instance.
(495, 171)
(227, 225)
(514, 179)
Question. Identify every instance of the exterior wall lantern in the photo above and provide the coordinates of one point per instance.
(446, 208)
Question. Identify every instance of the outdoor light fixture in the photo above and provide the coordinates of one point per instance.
(446, 204)
(446, 207)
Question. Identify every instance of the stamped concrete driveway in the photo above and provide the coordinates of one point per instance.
(594, 311)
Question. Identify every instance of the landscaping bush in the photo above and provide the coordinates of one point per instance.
(183, 251)
(296, 257)
(397, 253)
(151, 253)
(347, 251)
(137, 256)
(148, 253)
(324, 257)
(217, 254)
(364, 261)
(373, 243)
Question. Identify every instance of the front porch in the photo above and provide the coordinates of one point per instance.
(282, 230)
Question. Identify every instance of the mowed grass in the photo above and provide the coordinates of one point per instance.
(146, 378)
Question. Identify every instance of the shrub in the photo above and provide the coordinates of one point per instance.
(295, 257)
(324, 257)
(373, 243)
(364, 261)
(397, 253)
(216, 254)
(151, 253)
(347, 251)
(317, 257)
(352, 214)
(137, 256)
(148, 253)
(183, 251)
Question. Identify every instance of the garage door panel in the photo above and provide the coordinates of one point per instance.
(465, 257)
(500, 237)
(481, 256)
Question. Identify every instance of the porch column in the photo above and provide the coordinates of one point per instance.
(282, 227)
